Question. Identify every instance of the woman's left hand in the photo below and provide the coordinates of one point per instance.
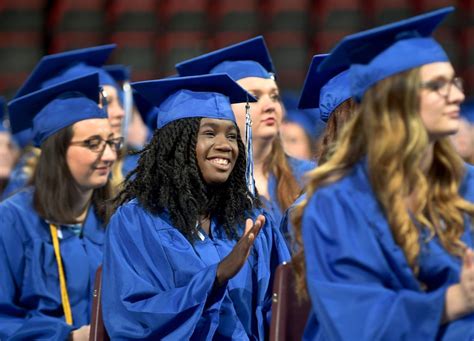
(236, 259)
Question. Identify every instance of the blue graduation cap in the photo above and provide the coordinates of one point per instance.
(61, 67)
(120, 73)
(381, 52)
(23, 138)
(249, 58)
(148, 111)
(325, 89)
(467, 110)
(51, 109)
(195, 96)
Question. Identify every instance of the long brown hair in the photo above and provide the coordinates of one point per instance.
(338, 119)
(288, 188)
(55, 190)
(388, 130)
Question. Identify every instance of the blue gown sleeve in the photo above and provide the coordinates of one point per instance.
(286, 226)
(275, 251)
(354, 284)
(279, 252)
(17, 322)
(140, 297)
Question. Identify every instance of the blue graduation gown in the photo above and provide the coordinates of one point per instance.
(159, 286)
(286, 226)
(30, 297)
(299, 168)
(360, 284)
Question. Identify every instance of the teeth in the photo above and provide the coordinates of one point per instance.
(220, 161)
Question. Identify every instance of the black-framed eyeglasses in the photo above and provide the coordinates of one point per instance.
(443, 86)
(97, 144)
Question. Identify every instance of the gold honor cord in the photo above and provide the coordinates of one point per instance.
(62, 278)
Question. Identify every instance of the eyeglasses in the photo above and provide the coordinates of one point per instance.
(97, 144)
(443, 86)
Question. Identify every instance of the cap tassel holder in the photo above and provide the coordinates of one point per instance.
(103, 97)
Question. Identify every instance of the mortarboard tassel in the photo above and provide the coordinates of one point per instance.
(128, 108)
(249, 152)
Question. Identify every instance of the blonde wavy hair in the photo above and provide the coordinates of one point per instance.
(388, 130)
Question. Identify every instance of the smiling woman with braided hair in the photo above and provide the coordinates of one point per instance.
(168, 177)
(189, 253)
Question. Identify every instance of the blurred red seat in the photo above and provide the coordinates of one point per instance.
(289, 313)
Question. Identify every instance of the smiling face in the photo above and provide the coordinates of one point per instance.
(440, 99)
(266, 113)
(216, 149)
(90, 169)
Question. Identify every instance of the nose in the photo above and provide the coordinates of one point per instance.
(268, 104)
(222, 143)
(456, 95)
(116, 111)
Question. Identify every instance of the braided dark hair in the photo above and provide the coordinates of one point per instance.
(168, 178)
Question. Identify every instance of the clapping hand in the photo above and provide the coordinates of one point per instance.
(236, 259)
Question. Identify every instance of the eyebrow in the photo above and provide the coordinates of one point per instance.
(93, 137)
(437, 77)
(213, 125)
(96, 136)
(258, 91)
(232, 127)
(254, 91)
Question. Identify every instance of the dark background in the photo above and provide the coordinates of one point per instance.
(152, 35)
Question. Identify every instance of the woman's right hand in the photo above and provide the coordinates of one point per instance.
(460, 297)
(236, 259)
